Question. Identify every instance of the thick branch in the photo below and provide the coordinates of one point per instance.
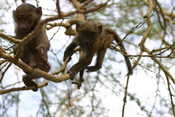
(5, 91)
(10, 39)
(31, 70)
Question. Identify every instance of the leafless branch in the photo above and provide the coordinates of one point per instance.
(5, 91)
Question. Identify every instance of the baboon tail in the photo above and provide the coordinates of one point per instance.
(122, 48)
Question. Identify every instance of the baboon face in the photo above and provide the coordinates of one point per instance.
(26, 16)
(89, 29)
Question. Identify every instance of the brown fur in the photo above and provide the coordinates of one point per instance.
(26, 17)
(93, 39)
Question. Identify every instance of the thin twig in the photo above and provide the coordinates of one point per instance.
(170, 94)
(125, 96)
(159, 9)
(3, 73)
(4, 91)
(58, 7)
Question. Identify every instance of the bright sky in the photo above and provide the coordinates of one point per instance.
(141, 82)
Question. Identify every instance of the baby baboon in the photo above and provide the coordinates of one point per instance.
(26, 18)
(92, 38)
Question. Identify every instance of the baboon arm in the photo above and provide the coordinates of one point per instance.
(27, 79)
(99, 61)
(69, 50)
(84, 61)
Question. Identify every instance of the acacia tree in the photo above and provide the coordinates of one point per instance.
(146, 28)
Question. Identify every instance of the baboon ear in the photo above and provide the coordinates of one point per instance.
(78, 25)
(39, 11)
(14, 14)
(100, 28)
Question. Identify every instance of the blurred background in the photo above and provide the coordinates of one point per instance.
(147, 30)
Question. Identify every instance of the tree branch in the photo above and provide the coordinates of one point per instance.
(22, 88)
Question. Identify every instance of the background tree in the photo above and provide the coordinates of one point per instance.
(147, 31)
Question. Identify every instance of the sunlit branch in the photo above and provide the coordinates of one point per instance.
(31, 70)
(5, 91)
